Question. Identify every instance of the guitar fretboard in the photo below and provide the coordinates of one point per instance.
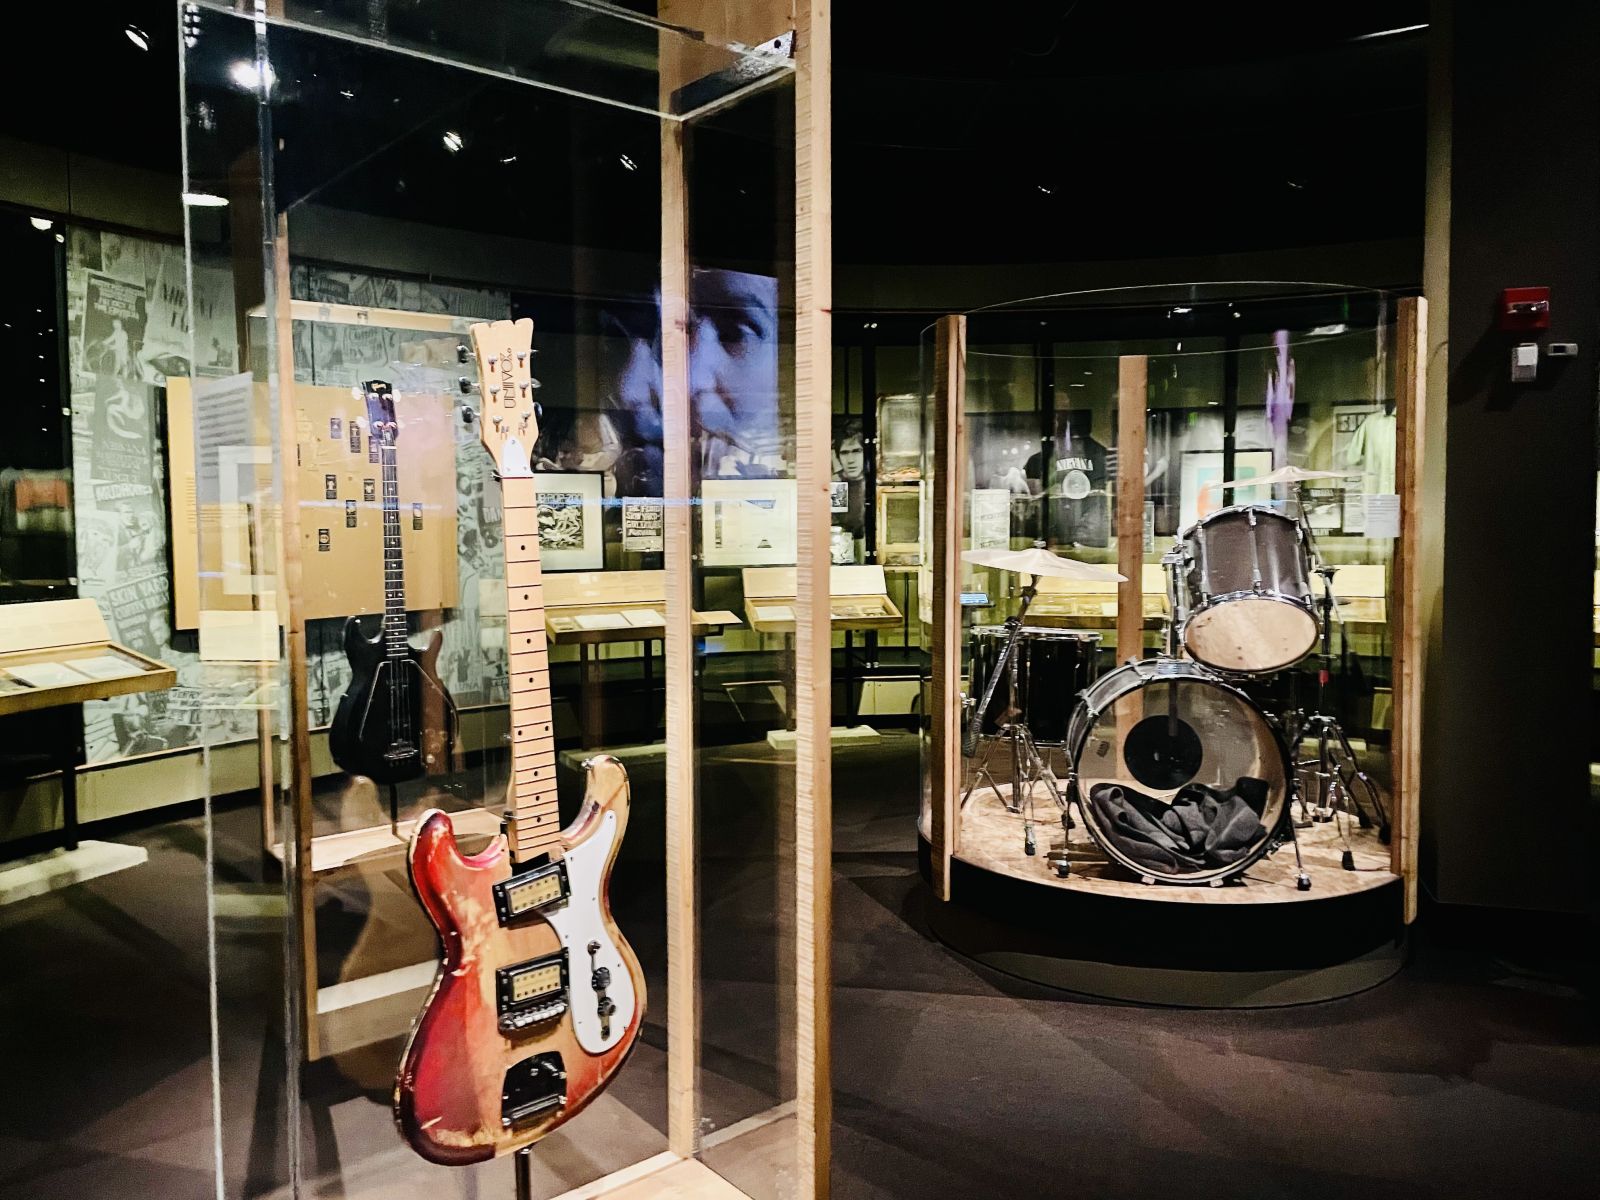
(394, 583)
(534, 819)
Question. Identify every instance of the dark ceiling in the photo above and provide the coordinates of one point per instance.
(1009, 132)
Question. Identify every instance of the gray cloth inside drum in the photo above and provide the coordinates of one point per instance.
(1201, 829)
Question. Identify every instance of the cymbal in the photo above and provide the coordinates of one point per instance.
(1036, 560)
(1288, 475)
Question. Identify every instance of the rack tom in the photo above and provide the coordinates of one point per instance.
(1247, 591)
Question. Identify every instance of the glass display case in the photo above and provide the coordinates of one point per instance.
(1198, 693)
(514, 404)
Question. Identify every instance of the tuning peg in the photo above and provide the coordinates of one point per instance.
(463, 355)
(467, 415)
(493, 358)
(538, 410)
(536, 383)
(465, 385)
(522, 357)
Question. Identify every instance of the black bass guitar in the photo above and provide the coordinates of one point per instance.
(396, 719)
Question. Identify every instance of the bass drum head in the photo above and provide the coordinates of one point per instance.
(1180, 776)
(1250, 633)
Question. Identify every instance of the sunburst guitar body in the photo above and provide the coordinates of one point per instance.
(539, 997)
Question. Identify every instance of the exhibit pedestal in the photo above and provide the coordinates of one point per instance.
(57, 869)
(1099, 932)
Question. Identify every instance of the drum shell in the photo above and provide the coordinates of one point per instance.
(1254, 559)
(1053, 667)
(1255, 748)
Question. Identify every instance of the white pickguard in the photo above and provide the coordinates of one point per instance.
(577, 923)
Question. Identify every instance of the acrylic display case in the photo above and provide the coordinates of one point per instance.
(379, 471)
(1067, 820)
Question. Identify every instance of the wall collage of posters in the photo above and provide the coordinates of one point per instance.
(128, 329)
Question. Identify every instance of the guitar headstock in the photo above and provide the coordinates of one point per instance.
(508, 421)
(381, 421)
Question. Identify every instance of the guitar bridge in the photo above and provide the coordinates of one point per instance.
(531, 993)
(534, 889)
(533, 1087)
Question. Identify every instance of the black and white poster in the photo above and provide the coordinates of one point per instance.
(113, 327)
(123, 446)
(642, 530)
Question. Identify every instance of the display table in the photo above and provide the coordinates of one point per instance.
(590, 608)
(858, 596)
(59, 653)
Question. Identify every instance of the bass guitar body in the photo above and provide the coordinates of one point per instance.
(396, 719)
(539, 999)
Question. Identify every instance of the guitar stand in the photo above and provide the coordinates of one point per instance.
(522, 1169)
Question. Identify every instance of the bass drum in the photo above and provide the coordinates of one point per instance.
(1179, 775)
(1053, 666)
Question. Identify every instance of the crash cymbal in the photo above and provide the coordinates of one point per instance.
(1288, 475)
(1036, 561)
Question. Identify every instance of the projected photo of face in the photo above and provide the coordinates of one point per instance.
(733, 373)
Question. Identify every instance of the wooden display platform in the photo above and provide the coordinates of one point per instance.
(991, 838)
(331, 851)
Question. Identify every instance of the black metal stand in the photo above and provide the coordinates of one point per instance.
(522, 1167)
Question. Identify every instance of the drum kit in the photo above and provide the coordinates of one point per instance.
(1177, 773)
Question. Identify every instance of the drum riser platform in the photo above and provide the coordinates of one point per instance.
(1189, 955)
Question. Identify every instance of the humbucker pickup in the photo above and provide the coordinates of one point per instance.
(532, 992)
(531, 890)
(533, 1087)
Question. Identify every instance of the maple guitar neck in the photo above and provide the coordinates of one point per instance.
(534, 822)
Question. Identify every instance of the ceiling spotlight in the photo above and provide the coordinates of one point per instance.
(138, 37)
(204, 200)
(627, 162)
(250, 77)
(453, 141)
(42, 224)
(508, 160)
(1042, 188)
(347, 93)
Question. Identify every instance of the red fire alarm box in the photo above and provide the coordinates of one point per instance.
(1524, 308)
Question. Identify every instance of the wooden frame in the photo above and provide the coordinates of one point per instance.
(1134, 608)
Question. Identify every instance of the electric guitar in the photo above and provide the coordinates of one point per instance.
(382, 727)
(539, 998)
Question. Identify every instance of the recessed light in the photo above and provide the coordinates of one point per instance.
(250, 77)
(138, 37)
(204, 200)
(42, 224)
(508, 160)
(453, 141)
(627, 162)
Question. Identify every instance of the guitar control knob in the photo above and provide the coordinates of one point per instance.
(601, 979)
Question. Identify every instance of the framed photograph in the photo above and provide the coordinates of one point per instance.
(899, 525)
(570, 534)
(1202, 475)
(747, 522)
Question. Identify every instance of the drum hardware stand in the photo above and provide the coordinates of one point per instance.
(1339, 783)
(1028, 766)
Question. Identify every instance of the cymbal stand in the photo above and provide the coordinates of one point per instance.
(1337, 782)
(1028, 766)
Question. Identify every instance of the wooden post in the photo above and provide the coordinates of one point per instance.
(1132, 389)
(948, 470)
(813, 610)
(683, 948)
(1410, 393)
(303, 901)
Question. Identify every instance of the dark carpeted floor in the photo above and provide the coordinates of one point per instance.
(1462, 1077)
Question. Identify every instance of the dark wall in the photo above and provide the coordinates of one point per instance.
(1506, 782)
